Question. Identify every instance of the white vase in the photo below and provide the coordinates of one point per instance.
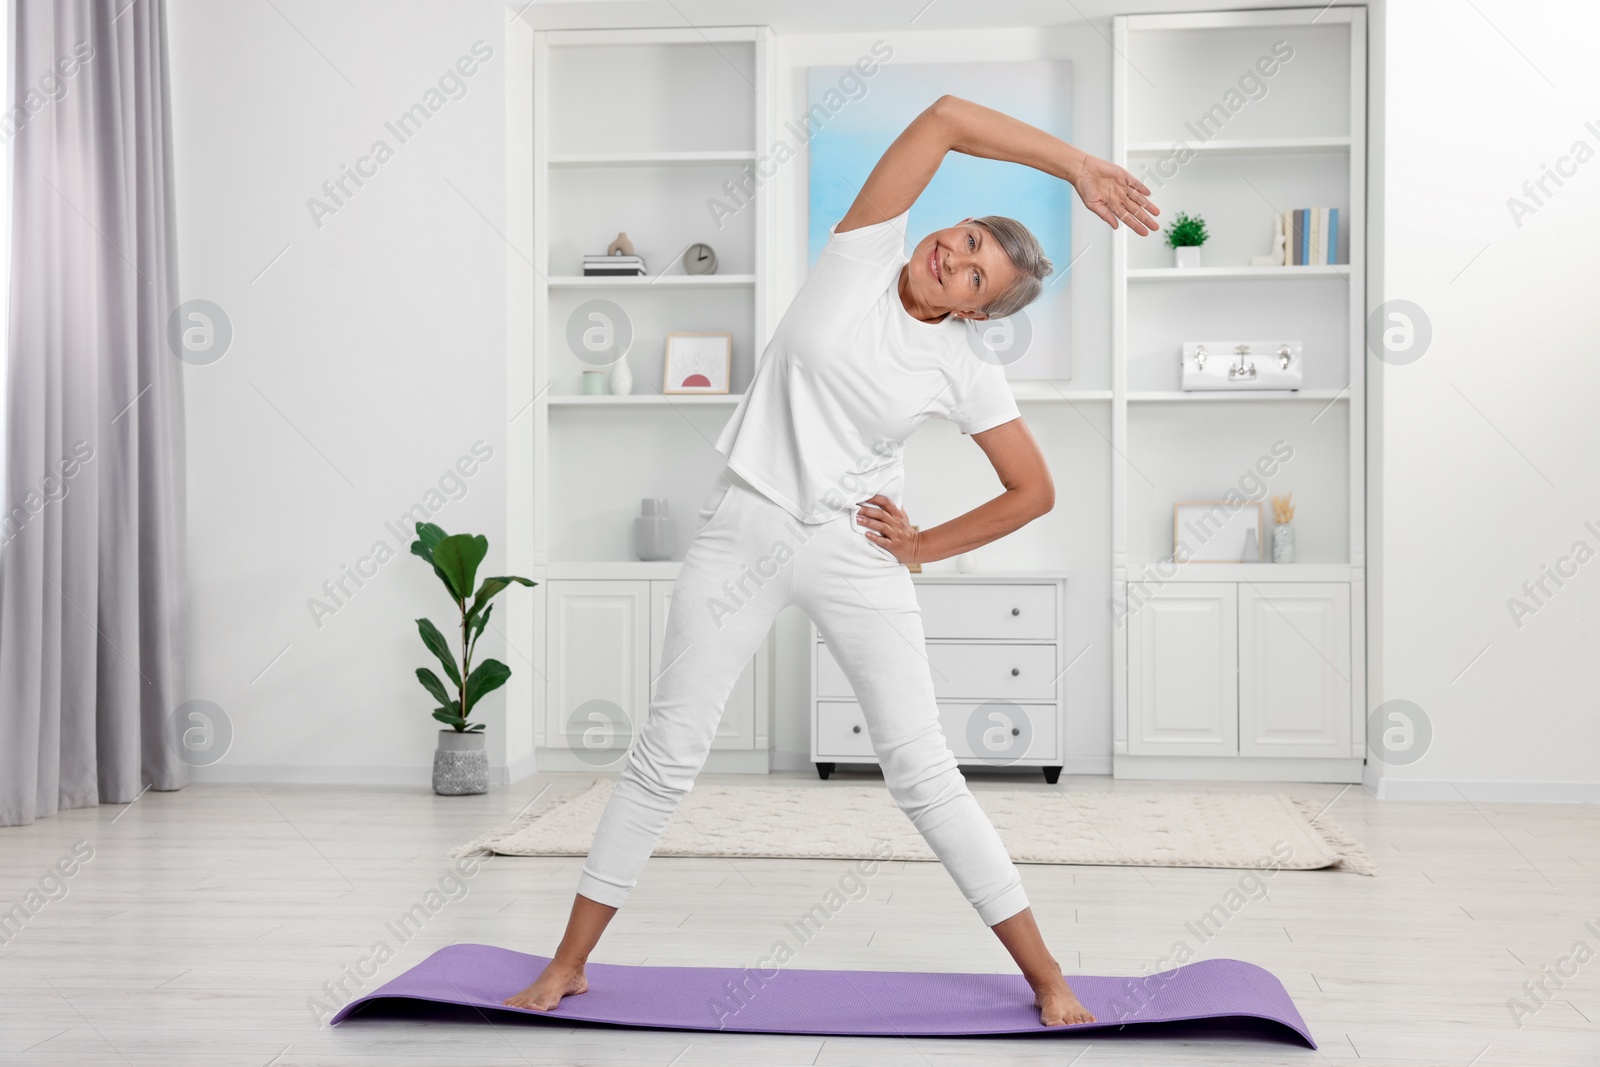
(1252, 548)
(1186, 256)
(621, 377)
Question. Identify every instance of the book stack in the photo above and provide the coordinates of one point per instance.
(604, 266)
(1313, 236)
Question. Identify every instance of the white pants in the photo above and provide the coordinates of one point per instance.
(749, 559)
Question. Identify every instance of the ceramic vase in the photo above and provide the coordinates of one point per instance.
(621, 377)
(1252, 548)
(653, 535)
(1186, 256)
(1283, 543)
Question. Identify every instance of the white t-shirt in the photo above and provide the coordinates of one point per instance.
(847, 377)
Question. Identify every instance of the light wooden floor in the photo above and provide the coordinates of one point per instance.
(206, 919)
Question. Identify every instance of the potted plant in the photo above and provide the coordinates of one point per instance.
(461, 763)
(1186, 233)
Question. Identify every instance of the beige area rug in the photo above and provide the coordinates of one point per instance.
(850, 822)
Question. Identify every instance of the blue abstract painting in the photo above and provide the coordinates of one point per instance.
(847, 139)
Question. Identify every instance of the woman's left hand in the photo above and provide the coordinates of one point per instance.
(1112, 193)
(889, 528)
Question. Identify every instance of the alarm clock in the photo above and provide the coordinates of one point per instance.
(698, 258)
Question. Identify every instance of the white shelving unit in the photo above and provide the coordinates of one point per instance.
(1240, 671)
(636, 130)
(1228, 671)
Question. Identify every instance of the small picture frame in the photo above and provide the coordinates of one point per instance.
(1214, 531)
(697, 363)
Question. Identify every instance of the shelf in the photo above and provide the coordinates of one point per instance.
(643, 399)
(1178, 396)
(1243, 146)
(1050, 390)
(1161, 572)
(648, 281)
(1339, 270)
(651, 159)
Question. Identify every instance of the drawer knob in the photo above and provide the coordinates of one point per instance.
(1016, 611)
(1015, 671)
(1015, 732)
(855, 729)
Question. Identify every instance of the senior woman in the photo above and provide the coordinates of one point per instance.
(807, 512)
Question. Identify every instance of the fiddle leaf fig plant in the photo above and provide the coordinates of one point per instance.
(455, 559)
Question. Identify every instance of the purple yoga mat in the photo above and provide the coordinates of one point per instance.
(788, 1001)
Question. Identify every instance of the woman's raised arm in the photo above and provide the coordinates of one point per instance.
(951, 124)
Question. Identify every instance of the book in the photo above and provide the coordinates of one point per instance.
(1333, 235)
(1314, 243)
(601, 265)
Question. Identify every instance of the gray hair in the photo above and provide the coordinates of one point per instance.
(1022, 249)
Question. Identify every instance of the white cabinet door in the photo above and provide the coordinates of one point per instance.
(1183, 681)
(1294, 669)
(738, 726)
(599, 663)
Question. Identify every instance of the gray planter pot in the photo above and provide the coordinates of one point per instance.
(461, 764)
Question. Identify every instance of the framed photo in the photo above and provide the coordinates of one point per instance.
(697, 363)
(1213, 531)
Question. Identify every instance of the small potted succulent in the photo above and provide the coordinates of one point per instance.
(1186, 233)
(461, 763)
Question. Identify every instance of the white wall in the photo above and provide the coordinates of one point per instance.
(373, 350)
(367, 358)
(370, 356)
(1486, 470)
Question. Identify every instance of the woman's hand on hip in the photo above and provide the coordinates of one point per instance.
(889, 528)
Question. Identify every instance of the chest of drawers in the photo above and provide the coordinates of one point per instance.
(996, 650)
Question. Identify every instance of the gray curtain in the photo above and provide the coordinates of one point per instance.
(90, 539)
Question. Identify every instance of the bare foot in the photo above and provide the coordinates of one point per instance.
(557, 980)
(1059, 1006)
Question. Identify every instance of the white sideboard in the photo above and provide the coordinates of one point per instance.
(1259, 678)
(603, 639)
(996, 649)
